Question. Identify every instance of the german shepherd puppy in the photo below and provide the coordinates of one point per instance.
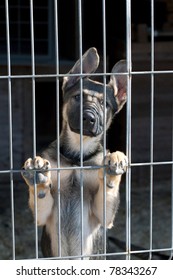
(62, 231)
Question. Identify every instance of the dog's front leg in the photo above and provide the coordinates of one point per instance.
(36, 174)
(116, 164)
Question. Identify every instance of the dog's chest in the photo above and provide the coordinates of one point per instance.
(76, 178)
(76, 188)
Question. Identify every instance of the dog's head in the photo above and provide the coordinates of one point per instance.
(93, 95)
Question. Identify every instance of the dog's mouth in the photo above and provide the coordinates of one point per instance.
(86, 132)
(92, 124)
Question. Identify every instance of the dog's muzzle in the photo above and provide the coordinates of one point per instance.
(92, 123)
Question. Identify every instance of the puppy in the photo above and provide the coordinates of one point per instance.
(77, 180)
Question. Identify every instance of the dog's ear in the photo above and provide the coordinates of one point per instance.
(119, 83)
(90, 62)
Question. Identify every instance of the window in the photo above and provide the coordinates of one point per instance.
(20, 30)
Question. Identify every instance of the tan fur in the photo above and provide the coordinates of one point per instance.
(93, 212)
(75, 200)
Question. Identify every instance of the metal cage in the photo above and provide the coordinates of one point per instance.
(130, 216)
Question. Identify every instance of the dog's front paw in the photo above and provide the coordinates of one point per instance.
(36, 171)
(116, 163)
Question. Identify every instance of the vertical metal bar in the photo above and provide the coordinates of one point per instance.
(151, 128)
(33, 78)
(10, 126)
(81, 120)
(58, 125)
(128, 131)
(104, 116)
(171, 254)
(34, 119)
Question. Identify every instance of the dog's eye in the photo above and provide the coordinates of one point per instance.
(102, 102)
(77, 97)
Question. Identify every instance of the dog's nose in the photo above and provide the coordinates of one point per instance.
(89, 119)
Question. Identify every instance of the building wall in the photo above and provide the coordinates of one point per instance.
(21, 123)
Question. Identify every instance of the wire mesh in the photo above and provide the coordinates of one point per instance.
(128, 251)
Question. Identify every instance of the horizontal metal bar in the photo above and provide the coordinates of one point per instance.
(89, 167)
(123, 253)
(40, 76)
(151, 163)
